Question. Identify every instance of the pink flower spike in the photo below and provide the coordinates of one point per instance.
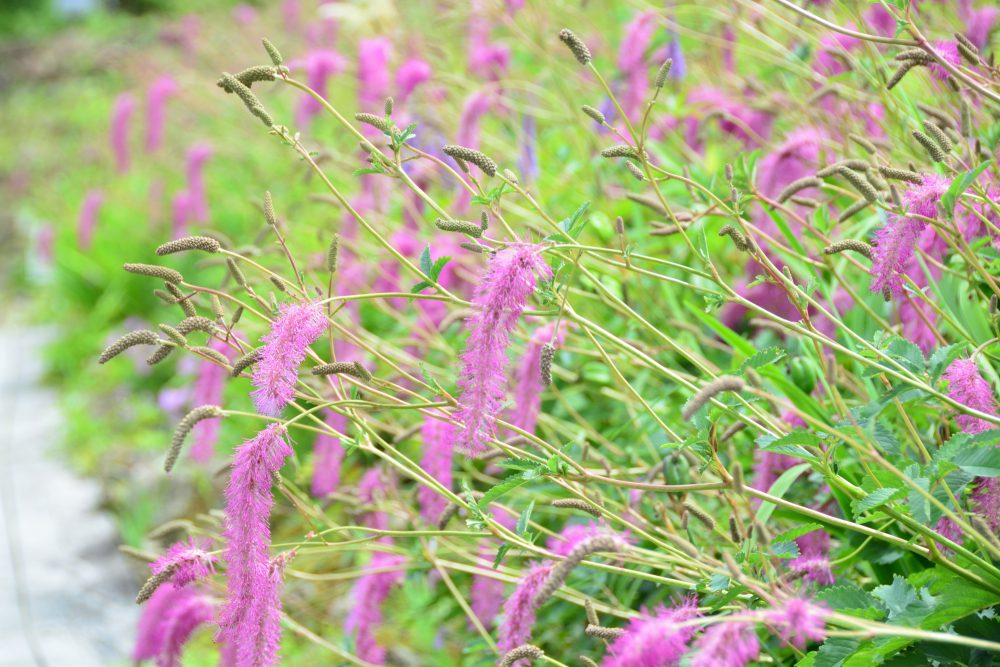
(188, 562)
(727, 644)
(519, 609)
(285, 345)
(968, 387)
(369, 594)
(328, 454)
(654, 640)
(182, 619)
(528, 379)
(798, 621)
(411, 74)
(87, 222)
(948, 50)
(575, 533)
(121, 118)
(438, 450)
(197, 203)
(498, 301)
(248, 615)
(208, 388)
(157, 95)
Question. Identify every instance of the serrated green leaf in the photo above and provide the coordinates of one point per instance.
(501, 552)
(438, 266)
(795, 533)
(766, 356)
(835, 651)
(920, 506)
(506, 486)
(425, 260)
(524, 518)
(785, 550)
(982, 461)
(905, 604)
(876, 498)
(841, 598)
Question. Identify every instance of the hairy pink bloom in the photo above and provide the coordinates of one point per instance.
(519, 609)
(813, 561)
(486, 59)
(476, 106)
(895, 243)
(439, 446)
(879, 18)
(87, 222)
(832, 48)
(249, 621)
(947, 528)
(208, 389)
(320, 65)
(498, 301)
(244, 14)
(727, 644)
(197, 203)
(916, 318)
(528, 379)
(374, 76)
(157, 95)
(969, 388)
(180, 214)
(188, 561)
(328, 454)
(486, 594)
(654, 640)
(737, 117)
(169, 618)
(985, 499)
(798, 621)
(369, 594)
(297, 327)
(121, 119)
(632, 61)
(979, 23)
(948, 50)
(575, 533)
(411, 74)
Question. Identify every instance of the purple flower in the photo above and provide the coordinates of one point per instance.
(249, 622)
(519, 609)
(475, 107)
(814, 559)
(979, 23)
(638, 35)
(187, 561)
(917, 318)
(328, 454)
(575, 533)
(527, 161)
(293, 331)
(87, 222)
(528, 379)
(654, 640)
(411, 74)
(948, 529)
(369, 594)
(985, 498)
(319, 65)
(208, 387)
(832, 49)
(948, 50)
(727, 644)
(498, 301)
(180, 214)
(159, 91)
(439, 446)
(798, 621)
(244, 14)
(879, 18)
(168, 620)
(121, 118)
(197, 203)
(968, 387)
(374, 77)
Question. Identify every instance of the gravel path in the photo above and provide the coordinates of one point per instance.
(65, 591)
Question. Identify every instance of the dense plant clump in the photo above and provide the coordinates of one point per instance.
(726, 389)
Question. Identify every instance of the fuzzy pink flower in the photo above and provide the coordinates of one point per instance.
(979, 23)
(438, 449)
(654, 640)
(197, 203)
(948, 50)
(87, 222)
(411, 74)
(499, 300)
(187, 561)
(528, 379)
(208, 387)
(319, 65)
(985, 499)
(575, 533)
(297, 327)
(121, 119)
(968, 387)
(879, 18)
(916, 318)
(814, 559)
(476, 106)
(374, 76)
(519, 609)
(369, 594)
(831, 52)
(157, 95)
(798, 621)
(180, 214)
(169, 618)
(948, 529)
(244, 14)
(328, 454)
(486, 593)
(248, 621)
(727, 644)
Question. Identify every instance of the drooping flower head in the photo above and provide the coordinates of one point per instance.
(297, 327)
(895, 243)
(369, 594)
(121, 120)
(157, 95)
(948, 50)
(813, 561)
(248, 616)
(319, 65)
(575, 533)
(438, 450)
(528, 379)
(411, 74)
(208, 387)
(654, 640)
(168, 620)
(798, 621)
(727, 644)
(374, 76)
(498, 301)
(519, 609)
(968, 387)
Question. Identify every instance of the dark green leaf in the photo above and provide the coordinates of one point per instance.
(876, 498)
